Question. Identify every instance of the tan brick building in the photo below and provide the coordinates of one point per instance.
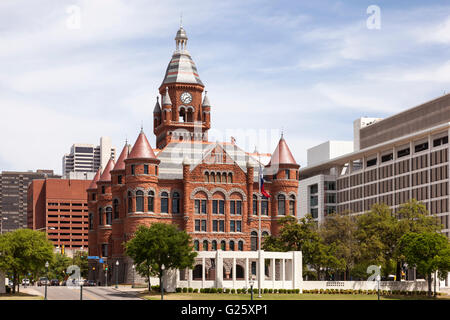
(208, 189)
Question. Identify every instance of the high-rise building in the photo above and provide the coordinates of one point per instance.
(85, 159)
(13, 197)
(59, 208)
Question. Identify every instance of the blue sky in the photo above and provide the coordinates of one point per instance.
(307, 67)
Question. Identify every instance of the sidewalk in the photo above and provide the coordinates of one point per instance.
(30, 290)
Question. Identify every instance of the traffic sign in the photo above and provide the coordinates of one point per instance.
(93, 257)
(100, 260)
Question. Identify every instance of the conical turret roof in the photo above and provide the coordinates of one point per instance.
(106, 175)
(120, 164)
(166, 99)
(93, 184)
(282, 154)
(206, 102)
(142, 148)
(157, 108)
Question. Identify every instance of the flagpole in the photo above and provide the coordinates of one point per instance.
(259, 229)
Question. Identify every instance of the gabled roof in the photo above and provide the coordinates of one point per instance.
(106, 175)
(93, 184)
(142, 148)
(120, 164)
(282, 154)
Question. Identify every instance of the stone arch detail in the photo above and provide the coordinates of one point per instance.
(208, 193)
(237, 190)
(222, 190)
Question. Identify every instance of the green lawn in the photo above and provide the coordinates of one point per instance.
(307, 296)
(19, 296)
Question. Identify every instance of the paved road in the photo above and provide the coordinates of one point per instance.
(89, 293)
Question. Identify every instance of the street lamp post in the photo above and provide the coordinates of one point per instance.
(117, 274)
(162, 281)
(133, 267)
(46, 281)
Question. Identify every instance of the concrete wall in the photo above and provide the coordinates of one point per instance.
(328, 150)
(366, 285)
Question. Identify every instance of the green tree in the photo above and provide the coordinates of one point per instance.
(58, 266)
(340, 230)
(24, 251)
(412, 216)
(427, 251)
(157, 245)
(377, 235)
(302, 235)
(80, 259)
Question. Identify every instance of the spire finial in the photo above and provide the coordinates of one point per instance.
(282, 132)
(142, 126)
(157, 98)
(181, 20)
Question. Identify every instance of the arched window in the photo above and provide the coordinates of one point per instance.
(139, 201)
(176, 202)
(116, 208)
(255, 205)
(230, 178)
(214, 245)
(292, 205)
(130, 202)
(151, 201)
(254, 240)
(109, 216)
(212, 177)
(224, 177)
(223, 245)
(164, 202)
(241, 245)
(205, 245)
(218, 177)
(281, 204)
(232, 245)
(100, 218)
(196, 245)
(207, 177)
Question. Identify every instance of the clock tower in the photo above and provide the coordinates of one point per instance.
(184, 113)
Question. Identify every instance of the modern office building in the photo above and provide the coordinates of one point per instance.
(395, 159)
(59, 208)
(13, 197)
(85, 159)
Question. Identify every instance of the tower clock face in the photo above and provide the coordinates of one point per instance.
(186, 97)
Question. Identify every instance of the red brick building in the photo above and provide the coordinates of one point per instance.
(59, 207)
(208, 189)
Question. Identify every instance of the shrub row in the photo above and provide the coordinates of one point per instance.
(351, 291)
(291, 291)
(239, 291)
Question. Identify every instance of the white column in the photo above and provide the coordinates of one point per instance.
(219, 269)
(234, 273)
(203, 272)
(189, 277)
(282, 271)
(273, 272)
(246, 272)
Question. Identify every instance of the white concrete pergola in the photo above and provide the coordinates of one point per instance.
(289, 271)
